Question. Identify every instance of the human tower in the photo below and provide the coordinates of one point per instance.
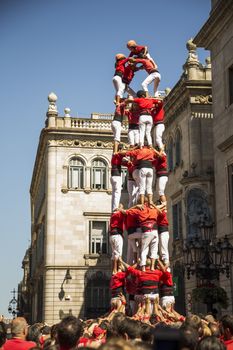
(146, 276)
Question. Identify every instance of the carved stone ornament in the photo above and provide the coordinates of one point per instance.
(52, 98)
(81, 143)
(203, 99)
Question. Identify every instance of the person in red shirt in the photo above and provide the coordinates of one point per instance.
(157, 113)
(145, 119)
(166, 292)
(148, 280)
(163, 232)
(119, 86)
(128, 75)
(19, 330)
(117, 284)
(116, 180)
(160, 164)
(138, 50)
(142, 159)
(132, 186)
(116, 125)
(153, 74)
(133, 124)
(116, 228)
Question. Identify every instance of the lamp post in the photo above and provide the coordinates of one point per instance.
(207, 257)
(66, 279)
(12, 308)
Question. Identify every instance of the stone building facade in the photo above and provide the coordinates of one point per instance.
(189, 146)
(70, 209)
(216, 35)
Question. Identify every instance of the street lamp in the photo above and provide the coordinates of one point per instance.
(66, 279)
(207, 257)
(12, 308)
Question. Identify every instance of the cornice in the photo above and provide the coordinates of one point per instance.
(219, 17)
(228, 143)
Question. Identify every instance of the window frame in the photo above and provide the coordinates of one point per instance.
(80, 174)
(170, 154)
(95, 239)
(178, 148)
(103, 175)
(177, 230)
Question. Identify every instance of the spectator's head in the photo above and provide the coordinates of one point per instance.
(19, 328)
(129, 329)
(69, 331)
(226, 323)
(146, 332)
(141, 93)
(193, 321)
(117, 344)
(211, 343)
(189, 338)
(214, 328)
(3, 331)
(34, 333)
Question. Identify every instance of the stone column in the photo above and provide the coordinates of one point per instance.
(52, 112)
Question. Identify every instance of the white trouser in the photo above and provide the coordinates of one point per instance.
(118, 85)
(116, 129)
(132, 247)
(166, 300)
(116, 183)
(132, 192)
(133, 137)
(161, 184)
(116, 242)
(145, 126)
(151, 77)
(149, 241)
(145, 180)
(159, 129)
(163, 243)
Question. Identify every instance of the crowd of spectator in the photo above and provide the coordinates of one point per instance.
(117, 331)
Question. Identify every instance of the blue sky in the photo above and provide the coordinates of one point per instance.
(68, 46)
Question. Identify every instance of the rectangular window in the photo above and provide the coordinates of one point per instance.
(99, 178)
(177, 220)
(98, 237)
(230, 76)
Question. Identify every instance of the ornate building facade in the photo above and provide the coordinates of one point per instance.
(216, 35)
(70, 209)
(190, 189)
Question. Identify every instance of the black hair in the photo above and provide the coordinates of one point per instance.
(141, 93)
(129, 327)
(69, 331)
(3, 333)
(211, 343)
(227, 322)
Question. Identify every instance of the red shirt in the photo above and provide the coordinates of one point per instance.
(116, 159)
(117, 222)
(117, 280)
(144, 153)
(160, 164)
(131, 221)
(18, 344)
(229, 344)
(148, 65)
(129, 73)
(137, 50)
(158, 112)
(120, 66)
(162, 219)
(153, 277)
(166, 278)
(133, 116)
(146, 217)
(119, 112)
(145, 104)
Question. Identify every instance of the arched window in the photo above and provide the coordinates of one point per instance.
(178, 148)
(76, 173)
(99, 174)
(170, 154)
